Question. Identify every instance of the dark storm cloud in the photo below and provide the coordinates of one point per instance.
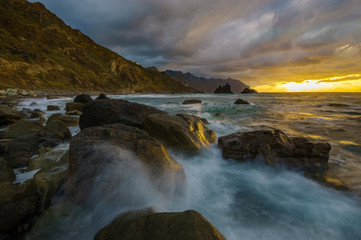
(239, 38)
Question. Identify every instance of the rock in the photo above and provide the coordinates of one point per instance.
(276, 148)
(224, 89)
(67, 120)
(338, 105)
(11, 92)
(18, 206)
(51, 222)
(48, 180)
(71, 106)
(101, 96)
(23, 128)
(55, 129)
(109, 111)
(248, 91)
(23, 93)
(9, 115)
(52, 108)
(83, 98)
(204, 120)
(192, 101)
(27, 112)
(218, 115)
(137, 155)
(74, 112)
(19, 151)
(33, 104)
(240, 101)
(37, 113)
(182, 131)
(148, 225)
(47, 158)
(2, 92)
(6, 172)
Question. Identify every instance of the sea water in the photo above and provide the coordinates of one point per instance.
(250, 200)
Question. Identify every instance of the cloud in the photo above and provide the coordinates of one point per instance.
(257, 41)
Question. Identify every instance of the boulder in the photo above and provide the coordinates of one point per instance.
(52, 108)
(55, 129)
(33, 104)
(241, 101)
(102, 96)
(71, 106)
(12, 92)
(69, 121)
(83, 98)
(47, 158)
(51, 224)
(148, 225)
(106, 148)
(18, 206)
(23, 93)
(48, 180)
(19, 151)
(192, 101)
(23, 128)
(74, 112)
(274, 147)
(6, 172)
(109, 111)
(181, 131)
(248, 91)
(224, 89)
(2, 92)
(9, 115)
(37, 113)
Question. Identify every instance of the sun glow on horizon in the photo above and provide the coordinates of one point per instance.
(348, 83)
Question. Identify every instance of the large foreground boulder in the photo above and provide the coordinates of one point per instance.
(274, 147)
(9, 115)
(181, 131)
(18, 206)
(108, 156)
(6, 172)
(148, 225)
(19, 151)
(109, 111)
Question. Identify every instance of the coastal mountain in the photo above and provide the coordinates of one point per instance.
(208, 85)
(39, 51)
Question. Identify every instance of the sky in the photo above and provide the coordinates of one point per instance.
(272, 45)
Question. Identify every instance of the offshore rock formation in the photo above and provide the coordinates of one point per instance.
(274, 147)
(39, 51)
(147, 225)
(224, 89)
(248, 91)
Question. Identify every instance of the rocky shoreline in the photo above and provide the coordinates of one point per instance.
(130, 142)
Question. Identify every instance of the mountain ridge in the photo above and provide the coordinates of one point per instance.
(39, 51)
(208, 85)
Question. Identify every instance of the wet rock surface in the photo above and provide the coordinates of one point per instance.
(146, 224)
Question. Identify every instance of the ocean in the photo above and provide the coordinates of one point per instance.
(250, 200)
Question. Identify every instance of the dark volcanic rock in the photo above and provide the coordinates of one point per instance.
(18, 206)
(124, 153)
(109, 111)
(240, 101)
(102, 96)
(147, 225)
(19, 151)
(83, 98)
(9, 115)
(182, 131)
(248, 91)
(52, 108)
(224, 89)
(192, 101)
(276, 148)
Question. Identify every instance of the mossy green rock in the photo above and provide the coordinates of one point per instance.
(69, 121)
(181, 131)
(71, 106)
(147, 225)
